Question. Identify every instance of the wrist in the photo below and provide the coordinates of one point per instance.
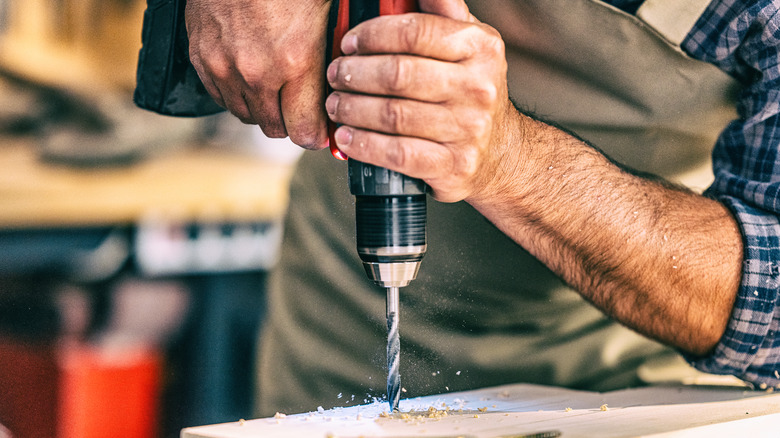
(516, 162)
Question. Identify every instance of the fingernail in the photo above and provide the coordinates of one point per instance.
(333, 69)
(349, 44)
(332, 104)
(343, 136)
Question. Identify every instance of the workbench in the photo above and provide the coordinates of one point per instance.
(176, 216)
(207, 216)
(191, 184)
(523, 410)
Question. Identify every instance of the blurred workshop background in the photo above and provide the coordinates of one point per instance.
(133, 247)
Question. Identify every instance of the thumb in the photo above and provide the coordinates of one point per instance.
(455, 9)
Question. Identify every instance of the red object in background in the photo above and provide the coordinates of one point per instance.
(107, 392)
(28, 388)
(77, 391)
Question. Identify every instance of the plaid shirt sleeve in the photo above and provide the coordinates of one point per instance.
(743, 39)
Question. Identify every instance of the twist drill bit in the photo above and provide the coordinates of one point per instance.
(393, 350)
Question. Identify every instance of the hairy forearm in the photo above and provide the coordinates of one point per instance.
(660, 259)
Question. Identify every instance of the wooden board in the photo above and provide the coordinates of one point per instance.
(518, 410)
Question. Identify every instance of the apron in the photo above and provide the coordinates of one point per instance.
(484, 312)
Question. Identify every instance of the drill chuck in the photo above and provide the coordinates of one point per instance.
(391, 218)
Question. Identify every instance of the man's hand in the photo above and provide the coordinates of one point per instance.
(424, 96)
(264, 60)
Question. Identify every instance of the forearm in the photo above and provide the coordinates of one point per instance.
(660, 259)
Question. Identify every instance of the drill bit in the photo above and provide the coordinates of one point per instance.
(393, 350)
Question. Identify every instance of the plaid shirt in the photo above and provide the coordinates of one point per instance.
(742, 38)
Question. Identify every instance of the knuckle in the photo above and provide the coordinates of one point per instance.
(292, 60)
(480, 126)
(493, 41)
(475, 36)
(298, 63)
(398, 74)
(217, 68)
(397, 154)
(413, 33)
(248, 70)
(486, 39)
(486, 42)
(484, 93)
(394, 116)
(468, 162)
(475, 125)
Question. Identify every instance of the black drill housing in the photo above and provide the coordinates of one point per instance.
(390, 214)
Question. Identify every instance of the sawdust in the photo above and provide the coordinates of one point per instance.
(431, 414)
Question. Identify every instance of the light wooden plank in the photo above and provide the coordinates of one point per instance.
(526, 409)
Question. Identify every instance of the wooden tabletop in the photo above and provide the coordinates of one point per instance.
(191, 184)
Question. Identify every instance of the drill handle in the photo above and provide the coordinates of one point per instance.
(392, 7)
(346, 14)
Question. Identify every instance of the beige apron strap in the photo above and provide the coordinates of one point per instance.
(673, 19)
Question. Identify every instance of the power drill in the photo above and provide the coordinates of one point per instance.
(390, 208)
